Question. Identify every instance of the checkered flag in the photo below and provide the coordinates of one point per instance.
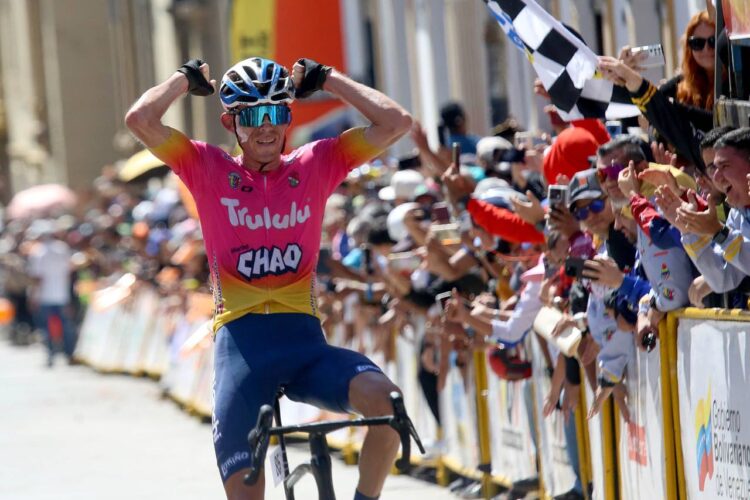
(564, 64)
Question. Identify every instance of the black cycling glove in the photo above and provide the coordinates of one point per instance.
(197, 83)
(315, 77)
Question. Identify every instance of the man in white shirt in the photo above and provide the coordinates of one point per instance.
(50, 268)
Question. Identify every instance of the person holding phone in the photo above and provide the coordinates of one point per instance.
(589, 204)
(496, 220)
(682, 109)
(508, 329)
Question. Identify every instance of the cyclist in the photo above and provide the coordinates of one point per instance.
(261, 214)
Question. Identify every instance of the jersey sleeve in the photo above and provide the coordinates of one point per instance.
(709, 258)
(182, 155)
(342, 154)
(503, 223)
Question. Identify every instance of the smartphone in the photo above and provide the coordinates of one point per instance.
(440, 213)
(447, 234)
(524, 140)
(574, 267)
(406, 262)
(614, 127)
(649, 56)
(367, 254)
(441, 299)
(557, 195)
(456, 154)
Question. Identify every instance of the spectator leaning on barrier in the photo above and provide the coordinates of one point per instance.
(589, 204)
(732, 167)
(705, 239)
(661, 255)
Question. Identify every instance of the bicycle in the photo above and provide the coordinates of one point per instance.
(320, 463)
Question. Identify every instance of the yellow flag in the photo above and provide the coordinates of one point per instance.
(252, 27)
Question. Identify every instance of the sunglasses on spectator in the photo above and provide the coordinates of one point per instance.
(253, 116)
(611, 172)
(595, 207)
(697, 43)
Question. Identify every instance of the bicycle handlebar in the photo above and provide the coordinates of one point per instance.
(259, 436)
(258, 441)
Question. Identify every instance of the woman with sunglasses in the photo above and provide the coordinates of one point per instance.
(261, 214)
(681, 109)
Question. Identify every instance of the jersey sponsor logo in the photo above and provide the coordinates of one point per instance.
(367, 368)
(234, 180)
(235, 459)
(238, 216)
(262, 262)
(293, 179)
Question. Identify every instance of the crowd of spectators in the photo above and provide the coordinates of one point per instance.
(612, 232)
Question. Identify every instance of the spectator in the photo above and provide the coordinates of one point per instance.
(50, 267)
(456, 128)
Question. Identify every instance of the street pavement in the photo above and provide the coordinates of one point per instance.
(68, 432)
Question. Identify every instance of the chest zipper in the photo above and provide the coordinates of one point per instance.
(266, 304)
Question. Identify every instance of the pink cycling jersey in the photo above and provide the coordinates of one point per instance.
(262, 231)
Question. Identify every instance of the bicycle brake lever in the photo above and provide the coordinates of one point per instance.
(403, 420)
(403, 464)
(258, 440)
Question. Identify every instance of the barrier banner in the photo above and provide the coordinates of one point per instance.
(713, 358)
(557, 472)
(641, 450)
(407, 361)
(458, 415)
(601, 444)
(511, 424)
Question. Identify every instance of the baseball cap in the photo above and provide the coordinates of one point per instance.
(569, 153)
(584, 186)
(403, 185)
(488, 146)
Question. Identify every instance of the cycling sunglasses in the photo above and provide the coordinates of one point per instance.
(253, 116)
(611, 172)
(595, 207)
(697, 43)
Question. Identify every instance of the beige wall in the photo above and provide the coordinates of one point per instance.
(80, 101)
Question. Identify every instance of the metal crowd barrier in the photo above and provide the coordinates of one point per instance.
(685, 439)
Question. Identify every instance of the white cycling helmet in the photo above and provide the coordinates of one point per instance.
(256, 81)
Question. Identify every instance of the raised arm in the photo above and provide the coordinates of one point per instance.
(388, 120)
(144, 117)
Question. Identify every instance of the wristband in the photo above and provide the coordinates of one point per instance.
(315, 77)
(605, 382)
(721, 235)
(197, 83)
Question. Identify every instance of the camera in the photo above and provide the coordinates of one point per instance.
(557, 195)
(574, 267)
(649, 341)
(367, 254)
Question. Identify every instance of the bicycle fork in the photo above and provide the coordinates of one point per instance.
(319, 466)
